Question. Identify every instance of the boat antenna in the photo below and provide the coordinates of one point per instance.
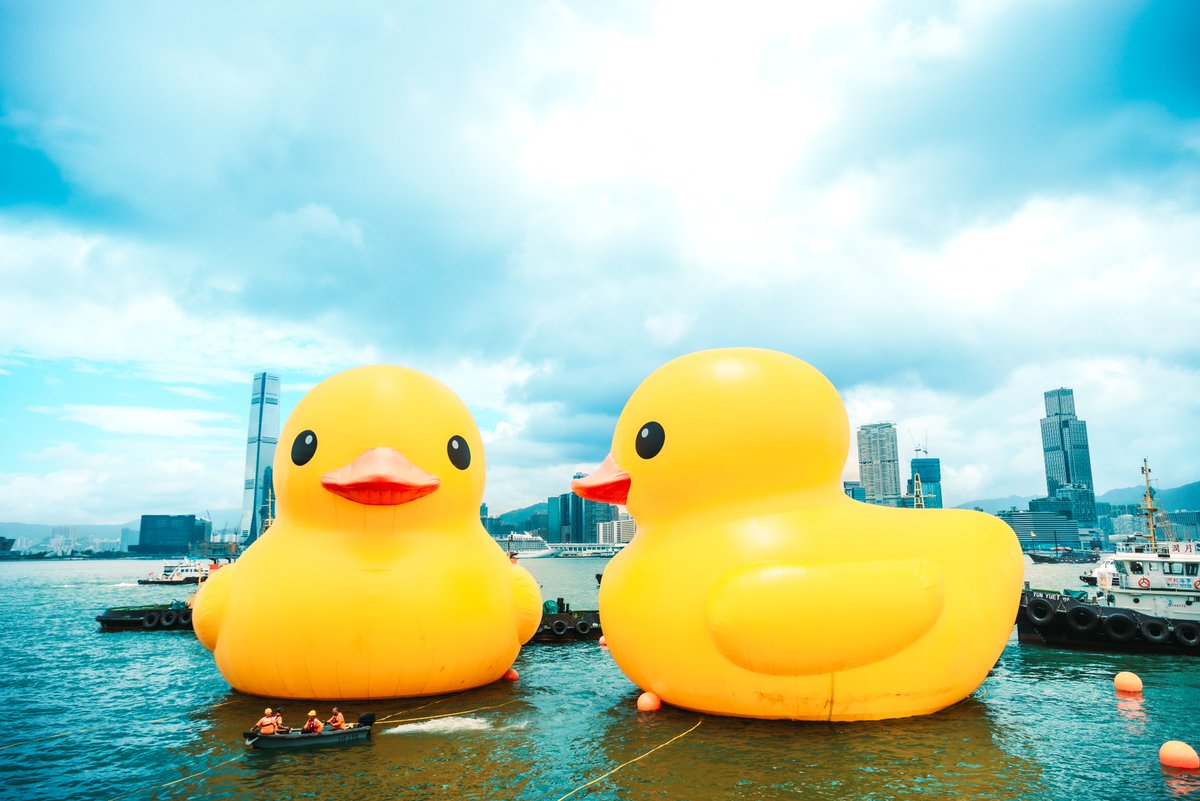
(1149, 508)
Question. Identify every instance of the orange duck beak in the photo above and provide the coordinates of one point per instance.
(381, 477)
(608, 484)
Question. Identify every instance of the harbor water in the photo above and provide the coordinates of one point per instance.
(146, 715)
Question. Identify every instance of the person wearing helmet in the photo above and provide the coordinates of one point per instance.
(268, 724)
(313, 725)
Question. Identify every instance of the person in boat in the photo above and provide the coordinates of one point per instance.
(337, 720)
(313, 725)
(270, 723)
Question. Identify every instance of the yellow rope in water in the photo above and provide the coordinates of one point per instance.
(630, 762)
(422, 706)
(453, 714)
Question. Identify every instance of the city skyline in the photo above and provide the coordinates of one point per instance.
(945, 209)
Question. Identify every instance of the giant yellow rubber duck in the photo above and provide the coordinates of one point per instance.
(376, 579)
(754, 587)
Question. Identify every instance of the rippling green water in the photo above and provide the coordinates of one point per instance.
(1046, 725)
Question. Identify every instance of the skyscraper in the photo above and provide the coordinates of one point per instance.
(261, 440)
(1067, 457)
(930, 472)
(572, 519)
(878, 464)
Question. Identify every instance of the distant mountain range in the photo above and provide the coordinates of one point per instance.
(1184, 497)
(37, 532)
(520, 518)
(1176, 498)
(993, 505)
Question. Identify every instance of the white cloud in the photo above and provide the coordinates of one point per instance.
(116, 486)
(191, 392)
(88, 297)
(144, 421)
(991, 443)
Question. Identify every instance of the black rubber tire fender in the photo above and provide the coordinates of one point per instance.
(1187, 634)
(559, 627)
(583, 627)
(1083, 619)
(185, 617)
(1154, 630)
(169, 619)
(150, 621)
(1120, 626)
(1039, 611)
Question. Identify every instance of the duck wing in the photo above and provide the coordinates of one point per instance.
(791, 619)
(208, 610)
(527, 602)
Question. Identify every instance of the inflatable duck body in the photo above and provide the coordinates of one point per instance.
(754, 587)
(376, 579)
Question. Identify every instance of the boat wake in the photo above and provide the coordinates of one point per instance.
(451, 726)
(125, 584)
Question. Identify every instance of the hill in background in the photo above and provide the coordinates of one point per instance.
(1175, 498)
(520, 518)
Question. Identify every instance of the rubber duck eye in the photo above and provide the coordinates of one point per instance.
(459, 453)
(650, 440)
(304, 448)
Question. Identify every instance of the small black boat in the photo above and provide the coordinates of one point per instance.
(1057, 556)
(176, 615)
(297, 739)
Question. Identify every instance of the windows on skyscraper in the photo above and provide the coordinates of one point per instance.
(261, 440)
(1067, 457)
(878, 464)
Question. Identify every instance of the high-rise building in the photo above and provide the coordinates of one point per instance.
(878, 463)
(171, 534)
(1042, 530)
(261, 440)
(930, 472)
(1067, 457)
(854, 490)
(558, 518)
(571, 518)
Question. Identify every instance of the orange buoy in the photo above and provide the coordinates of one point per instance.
(511, 675)
(1175, 754)
(648, 702)
(603, 642)
(1127, 682)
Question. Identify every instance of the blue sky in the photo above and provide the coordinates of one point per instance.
(947, 208)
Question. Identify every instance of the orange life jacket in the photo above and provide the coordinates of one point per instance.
(337, 721)
(314, 725)
(266, 725)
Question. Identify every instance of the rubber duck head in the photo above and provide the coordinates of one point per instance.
(385, 444)
(721, 427)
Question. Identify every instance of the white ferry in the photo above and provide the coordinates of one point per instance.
(1161, 579)
(525, 546)
(186, 572)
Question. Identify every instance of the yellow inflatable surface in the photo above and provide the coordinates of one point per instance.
(754, 587)
(377, 579)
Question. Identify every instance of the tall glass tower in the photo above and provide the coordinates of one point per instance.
(930, 472)
(261, 440)
(1068, 459)
(878, 463)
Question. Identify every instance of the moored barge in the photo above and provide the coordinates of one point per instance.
(175, 616)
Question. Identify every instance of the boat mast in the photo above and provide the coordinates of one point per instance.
(1149, 508)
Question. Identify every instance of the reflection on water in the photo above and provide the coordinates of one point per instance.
(1046, 725)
